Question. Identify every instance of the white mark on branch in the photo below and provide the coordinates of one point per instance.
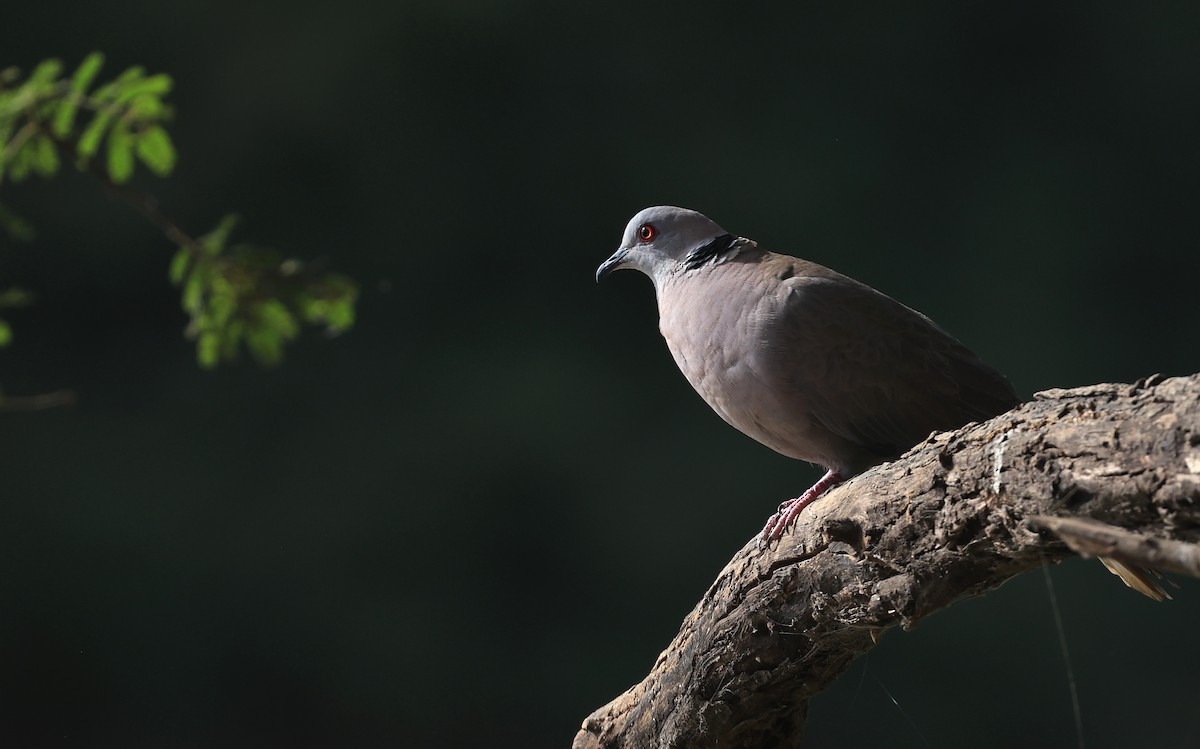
(998, 463)
(1192, 461)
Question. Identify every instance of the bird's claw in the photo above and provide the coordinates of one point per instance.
(789, 510)
(784, 516)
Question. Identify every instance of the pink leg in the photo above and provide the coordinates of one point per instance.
(790, 510)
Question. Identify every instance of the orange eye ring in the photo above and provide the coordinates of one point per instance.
(646, 233)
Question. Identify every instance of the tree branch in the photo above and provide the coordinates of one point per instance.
(955, 517)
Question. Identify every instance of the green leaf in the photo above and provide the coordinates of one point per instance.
(46, 72)
(155, 85)
(148, 108)
(193, 292)
(45, 156)
(208, 349)
(131, 73)
(93, 134)
(179, 265)
(221, 307)
(113, 89)
(275, 316)
(231, 336)
(64, 117)
(145, 90)
(312, 310)
(6, 334)
(155, 150)
(120, 154)
(214, 241)
(340, 316)
(21, 164)
(266, 346)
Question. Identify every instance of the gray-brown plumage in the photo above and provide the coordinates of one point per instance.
(807, 361)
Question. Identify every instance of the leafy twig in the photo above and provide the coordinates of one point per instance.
(232, 294)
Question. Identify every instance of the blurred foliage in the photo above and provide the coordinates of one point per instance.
(38, 120)
(233, 295)
(251, 294)
(10, 298)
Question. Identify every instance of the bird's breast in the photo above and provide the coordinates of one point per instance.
(715, 327)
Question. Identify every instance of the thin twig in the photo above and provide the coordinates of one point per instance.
(142, 202)
(42, 402)
(1094, 538)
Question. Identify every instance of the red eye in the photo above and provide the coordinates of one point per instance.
(647, 232)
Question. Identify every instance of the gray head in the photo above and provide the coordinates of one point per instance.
(666, 239)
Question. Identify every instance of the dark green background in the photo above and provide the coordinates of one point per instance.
(482, 513)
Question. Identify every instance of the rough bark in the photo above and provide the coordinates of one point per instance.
(954, 517)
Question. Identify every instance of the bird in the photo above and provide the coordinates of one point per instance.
(807, 361)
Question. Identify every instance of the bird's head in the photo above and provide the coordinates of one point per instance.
(666, 239)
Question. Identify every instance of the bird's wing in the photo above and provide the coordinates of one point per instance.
(872, 370)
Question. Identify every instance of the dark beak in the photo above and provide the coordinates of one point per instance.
(613, 263)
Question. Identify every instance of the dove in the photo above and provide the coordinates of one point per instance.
(809, 362)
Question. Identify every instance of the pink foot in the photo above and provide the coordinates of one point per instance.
(790, 510)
